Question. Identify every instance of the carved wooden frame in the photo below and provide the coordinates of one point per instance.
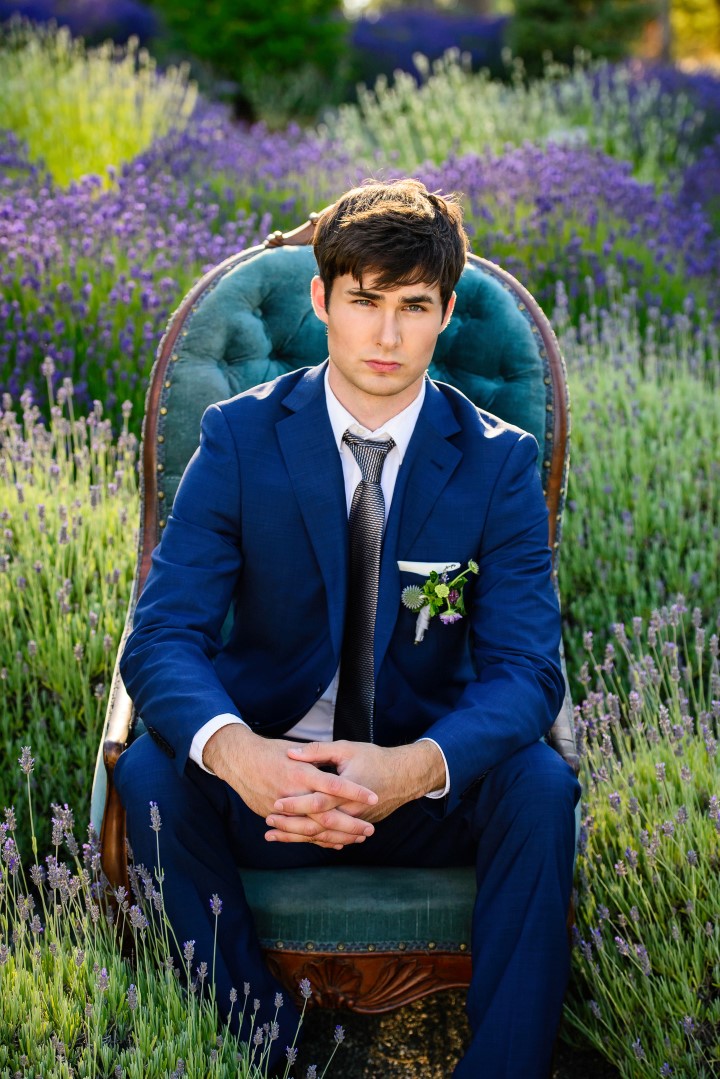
(368, 982)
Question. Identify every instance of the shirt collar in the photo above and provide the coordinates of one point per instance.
(400, 428)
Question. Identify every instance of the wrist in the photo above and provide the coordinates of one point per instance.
(222, 746)
(424, 767)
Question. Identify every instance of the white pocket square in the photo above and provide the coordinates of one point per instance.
(424, 569)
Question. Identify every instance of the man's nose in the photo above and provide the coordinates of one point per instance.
(389, 331)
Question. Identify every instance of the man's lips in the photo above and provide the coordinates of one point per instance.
(382, 365)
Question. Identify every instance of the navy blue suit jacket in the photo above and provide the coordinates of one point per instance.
(259, 526)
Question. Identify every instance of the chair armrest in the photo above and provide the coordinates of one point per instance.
(561, 735)
(118, 724)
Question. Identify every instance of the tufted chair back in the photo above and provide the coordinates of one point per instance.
(254, 321)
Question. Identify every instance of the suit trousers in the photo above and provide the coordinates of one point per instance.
(517, 826)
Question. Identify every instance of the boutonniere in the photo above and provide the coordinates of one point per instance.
(438, 596)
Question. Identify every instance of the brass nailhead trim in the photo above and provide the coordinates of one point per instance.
(432, 945)
(310, 947)
(341, 947)
(371, 947)
(547, 381)
(463, 947)
(161, 438)
(160, 467)
(163, 523)
(163, 411)
(174, 357)
(168, 384)
(279, 944)
(402, 945)
(161, 494)
(548, 408)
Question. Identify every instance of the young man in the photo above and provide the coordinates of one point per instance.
(320, 732)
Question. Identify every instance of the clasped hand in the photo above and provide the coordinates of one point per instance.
(285, 783)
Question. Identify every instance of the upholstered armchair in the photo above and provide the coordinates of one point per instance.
(368, 939)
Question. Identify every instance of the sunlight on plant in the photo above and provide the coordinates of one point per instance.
(69, 511)
(458, 111)
(81, 110)
(642, 520)
(89, 978)
(647, 949)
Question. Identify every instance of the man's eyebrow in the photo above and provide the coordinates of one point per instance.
(369, 294)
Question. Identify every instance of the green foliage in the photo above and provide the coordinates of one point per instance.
(647, 959)
(642, 521)
(81, 110)
(69, 507)
(263, 47)
(457, 111)
(71, 1005)
(557, 27)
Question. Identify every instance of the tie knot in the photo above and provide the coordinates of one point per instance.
(370, 455)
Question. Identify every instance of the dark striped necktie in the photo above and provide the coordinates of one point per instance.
(356, 691)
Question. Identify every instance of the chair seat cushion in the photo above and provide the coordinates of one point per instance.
(358, 909)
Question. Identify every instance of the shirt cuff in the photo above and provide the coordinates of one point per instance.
(446, 788)
(203, 736)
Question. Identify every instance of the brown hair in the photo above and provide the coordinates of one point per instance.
(397, 231)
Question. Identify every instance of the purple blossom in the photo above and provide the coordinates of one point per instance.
(448, 617)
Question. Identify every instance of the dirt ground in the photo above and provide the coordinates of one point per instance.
(423, 1041)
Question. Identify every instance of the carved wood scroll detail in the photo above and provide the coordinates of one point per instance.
(368, 983)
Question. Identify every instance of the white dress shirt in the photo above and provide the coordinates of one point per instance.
(317, 724)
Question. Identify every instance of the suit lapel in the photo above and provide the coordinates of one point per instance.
(426, 469)
(313, 463)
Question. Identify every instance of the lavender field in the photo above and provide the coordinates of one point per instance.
(598, 188)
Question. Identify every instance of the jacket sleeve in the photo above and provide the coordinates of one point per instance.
(167, 662)
(515, 628)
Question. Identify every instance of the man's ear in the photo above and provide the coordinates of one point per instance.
(317, 298)
(448, 311)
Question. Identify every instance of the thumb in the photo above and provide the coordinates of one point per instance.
(316, 753)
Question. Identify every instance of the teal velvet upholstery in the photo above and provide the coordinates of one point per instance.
(358, 910)
(256, 323)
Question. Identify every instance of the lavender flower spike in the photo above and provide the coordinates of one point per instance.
(26, 762)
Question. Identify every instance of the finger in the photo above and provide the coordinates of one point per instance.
(306, 805)
(327, 838)
(332, 821)
(316, 752)
(344, 790)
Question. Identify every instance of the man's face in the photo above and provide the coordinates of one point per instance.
(380, 342)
